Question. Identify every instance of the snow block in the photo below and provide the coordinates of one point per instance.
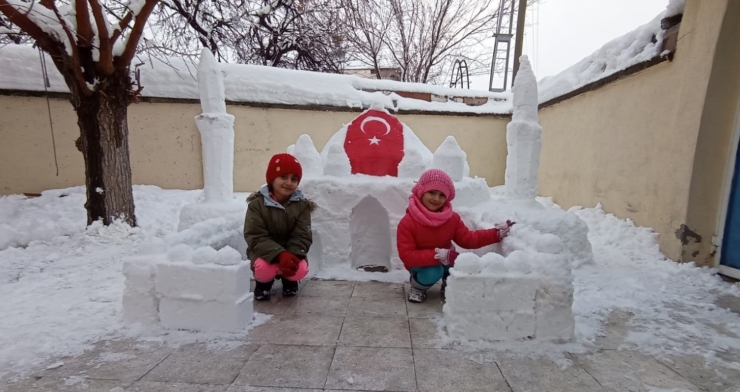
(139, 273)
(208, 316)
(527, 292)
(140, 308)
(489, 326)
(495, 294)
(554, 312)
(203, 282)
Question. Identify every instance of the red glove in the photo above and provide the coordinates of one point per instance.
(288, 263)
(452, 256)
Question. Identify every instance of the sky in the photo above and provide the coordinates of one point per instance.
(560, 33)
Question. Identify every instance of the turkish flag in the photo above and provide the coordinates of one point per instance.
(374, 144)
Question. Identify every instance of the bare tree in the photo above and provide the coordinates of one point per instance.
(299, 34)
(366, 25)
(94, 56)
(421, 37)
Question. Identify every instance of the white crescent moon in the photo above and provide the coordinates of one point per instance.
(373, 118)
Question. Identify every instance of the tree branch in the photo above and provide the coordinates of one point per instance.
(133, 40)
(27, 25)
(105, 61)
(122, 24)
(84, 29)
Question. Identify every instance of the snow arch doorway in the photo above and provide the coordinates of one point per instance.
(370, 235)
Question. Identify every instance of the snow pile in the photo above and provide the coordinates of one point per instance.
(171, 77)
(23, 220)
(61, 213)
(673, 306)
(618, 54)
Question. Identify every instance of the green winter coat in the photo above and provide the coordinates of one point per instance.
(271, 228)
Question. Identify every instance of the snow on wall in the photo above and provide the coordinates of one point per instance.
(176, 78)
(616, 55)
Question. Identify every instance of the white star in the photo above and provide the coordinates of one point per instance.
(374, 140)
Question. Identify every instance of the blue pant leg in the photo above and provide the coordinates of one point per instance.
(428, 276)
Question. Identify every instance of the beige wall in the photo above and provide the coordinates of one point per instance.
(711, 161)
(165, 143)
(631, 144)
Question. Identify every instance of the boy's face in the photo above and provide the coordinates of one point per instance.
(284, 186)
(433, 200)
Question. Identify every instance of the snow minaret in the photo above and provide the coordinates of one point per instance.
(307, 154)
(450, 158)
(523, 136)
(216, 132)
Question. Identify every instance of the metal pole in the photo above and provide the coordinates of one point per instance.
(519, 36)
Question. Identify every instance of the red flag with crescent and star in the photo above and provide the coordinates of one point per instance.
(374, 144)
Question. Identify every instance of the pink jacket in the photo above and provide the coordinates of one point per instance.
(416, 242)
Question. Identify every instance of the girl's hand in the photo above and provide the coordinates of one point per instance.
(504, 228)
(442, 255)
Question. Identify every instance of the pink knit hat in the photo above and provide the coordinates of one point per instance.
(435, 179)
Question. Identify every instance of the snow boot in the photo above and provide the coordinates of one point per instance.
(290, 288)
(418, 292)
(262, 291)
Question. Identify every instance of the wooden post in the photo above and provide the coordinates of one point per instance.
(519, 37)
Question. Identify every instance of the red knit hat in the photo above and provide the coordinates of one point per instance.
(281, 164)
(435, 180)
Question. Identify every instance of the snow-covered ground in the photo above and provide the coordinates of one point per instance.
(61, 283)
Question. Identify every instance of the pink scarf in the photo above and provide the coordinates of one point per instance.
(426, 217)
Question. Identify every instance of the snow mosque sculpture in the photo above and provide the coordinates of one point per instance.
(521, 289)
(362, 184)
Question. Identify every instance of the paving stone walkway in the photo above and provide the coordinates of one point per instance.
(344, 336)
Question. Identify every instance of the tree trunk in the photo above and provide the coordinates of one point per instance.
(102, 118)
